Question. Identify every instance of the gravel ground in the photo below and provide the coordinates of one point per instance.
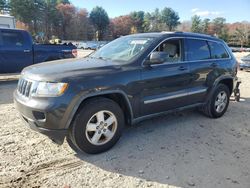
(179, 150)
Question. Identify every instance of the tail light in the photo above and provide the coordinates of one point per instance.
(74, 52)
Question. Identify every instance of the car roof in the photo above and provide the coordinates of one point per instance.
(176, 34)
(8, 29)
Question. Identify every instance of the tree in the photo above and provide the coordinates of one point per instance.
(185, 26)
(121, 26)
(81, 27)
(196, 24)
(67, 13)
(242, 34)
(170, 18)
(62, 1)
(220, 29)
(21, 25)
(2, 5)
(138, 20)
(50, 16)
(153, 22)
(219, 23)
(205, 25)
(27, 12)
(100, 20)
(147, 22)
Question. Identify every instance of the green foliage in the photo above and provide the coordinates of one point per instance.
(50, 17)
(100, 20)
(219, 23)
(205, 25)
(61, 18)
(138, 20)
(62, 1)
(27, 11)
(2, 4)
(196, 24)
(170, 18)
(242, 36)
(220, 29)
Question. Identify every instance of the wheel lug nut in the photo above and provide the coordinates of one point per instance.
(97, 127)
(104, 130)
(99, 132)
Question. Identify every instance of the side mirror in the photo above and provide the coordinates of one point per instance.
(157, 58)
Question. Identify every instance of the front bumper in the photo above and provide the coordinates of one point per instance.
(56, 136)
(46, 119)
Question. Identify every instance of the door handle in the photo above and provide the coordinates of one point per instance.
(182, 68)
(214, 65)
(26, 51)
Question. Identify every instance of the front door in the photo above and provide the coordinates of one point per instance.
(165, 85)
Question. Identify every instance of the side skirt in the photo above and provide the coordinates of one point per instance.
(139, 119)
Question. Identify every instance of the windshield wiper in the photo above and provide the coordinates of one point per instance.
(102, 58)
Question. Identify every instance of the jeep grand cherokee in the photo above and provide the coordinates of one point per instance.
(89, 100)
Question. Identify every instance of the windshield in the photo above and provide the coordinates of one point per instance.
(123, 49)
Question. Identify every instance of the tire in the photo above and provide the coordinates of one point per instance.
(90, 135)
(72, 145)
(211, 109)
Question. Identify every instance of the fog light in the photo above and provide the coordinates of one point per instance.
(40, 116)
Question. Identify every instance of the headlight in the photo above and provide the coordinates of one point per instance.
(49, 89)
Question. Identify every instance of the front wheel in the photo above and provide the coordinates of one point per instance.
(218, 103)
(97, 126)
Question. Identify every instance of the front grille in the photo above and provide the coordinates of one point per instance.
(24, 87)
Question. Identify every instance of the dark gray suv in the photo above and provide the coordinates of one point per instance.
(89, 100)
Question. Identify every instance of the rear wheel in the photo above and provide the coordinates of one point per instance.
(218, 103)
(97, 126)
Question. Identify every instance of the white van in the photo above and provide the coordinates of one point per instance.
(7, 21)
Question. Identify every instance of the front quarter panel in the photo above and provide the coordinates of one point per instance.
(123, 80)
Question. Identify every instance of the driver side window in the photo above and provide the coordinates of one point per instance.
(172, 49)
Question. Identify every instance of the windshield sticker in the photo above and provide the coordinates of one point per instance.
(138, 41)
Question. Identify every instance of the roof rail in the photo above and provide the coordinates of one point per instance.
(167, 32)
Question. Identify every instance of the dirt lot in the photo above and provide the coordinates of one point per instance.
(178, 150)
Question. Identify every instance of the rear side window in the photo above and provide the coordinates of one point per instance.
(218, 51)
(197, 50)
(12, 39)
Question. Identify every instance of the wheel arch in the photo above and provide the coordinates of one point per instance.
(227, 80)
(117, 96)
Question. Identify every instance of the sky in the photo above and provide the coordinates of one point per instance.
(232, 10)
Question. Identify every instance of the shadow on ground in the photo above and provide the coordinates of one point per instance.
(183, 149)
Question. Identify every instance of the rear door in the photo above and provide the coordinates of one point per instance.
(201, 68)
(165, 85)
(15, 51)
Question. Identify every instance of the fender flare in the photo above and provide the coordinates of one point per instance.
(216, 82)
(96, 94)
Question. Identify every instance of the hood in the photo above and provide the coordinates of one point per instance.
(67, 68)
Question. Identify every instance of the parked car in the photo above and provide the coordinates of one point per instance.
(18, 51)
(82, 45)
(91, 45)
(244, 64)
(132, 78)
